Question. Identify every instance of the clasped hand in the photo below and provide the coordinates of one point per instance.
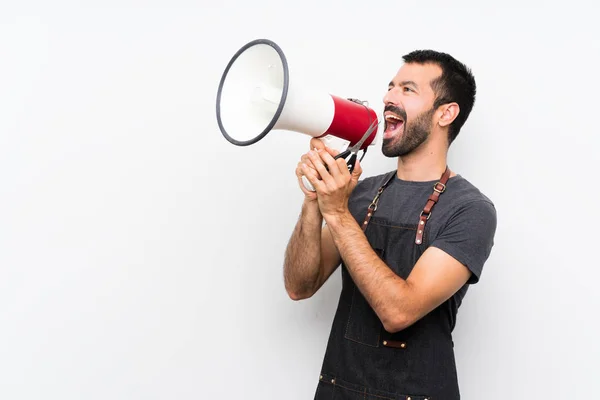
(333, 185)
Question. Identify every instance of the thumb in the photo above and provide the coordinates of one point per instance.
(332, 152)
(357, 172)
(317, 144)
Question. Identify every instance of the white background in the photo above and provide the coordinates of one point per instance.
(141, 253)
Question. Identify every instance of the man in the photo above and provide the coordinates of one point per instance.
(408, 254)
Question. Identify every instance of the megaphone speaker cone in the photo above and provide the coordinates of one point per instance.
(252, 92)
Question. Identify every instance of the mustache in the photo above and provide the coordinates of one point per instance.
(396, 110)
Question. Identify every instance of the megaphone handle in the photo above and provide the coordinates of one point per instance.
(307, 184)
(351, 163)
(343, 154)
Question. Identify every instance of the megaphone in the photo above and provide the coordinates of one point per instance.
(256, 96)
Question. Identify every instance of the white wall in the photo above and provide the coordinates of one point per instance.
(141, 253)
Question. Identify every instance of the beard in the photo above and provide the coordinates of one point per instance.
(415, 133)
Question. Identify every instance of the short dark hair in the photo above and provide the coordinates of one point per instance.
(456, 84)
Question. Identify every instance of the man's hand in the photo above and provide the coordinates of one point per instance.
(334, 183)
(316, 145)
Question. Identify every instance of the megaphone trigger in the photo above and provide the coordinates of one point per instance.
(352, 163)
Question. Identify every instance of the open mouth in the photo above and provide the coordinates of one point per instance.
(393, 125)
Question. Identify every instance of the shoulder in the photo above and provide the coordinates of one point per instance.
(464, 212)
(467, 229)
(463, 197)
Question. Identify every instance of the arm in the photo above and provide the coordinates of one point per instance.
(438, 274)
(397, 302)
(310, 256)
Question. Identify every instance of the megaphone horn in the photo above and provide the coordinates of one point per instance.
(256, 96)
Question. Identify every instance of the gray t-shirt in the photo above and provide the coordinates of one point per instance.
(462, 223)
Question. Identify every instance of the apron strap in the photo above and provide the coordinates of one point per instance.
(438, 189)
(373, 206)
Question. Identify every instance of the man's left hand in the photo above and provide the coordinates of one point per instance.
(333, 186)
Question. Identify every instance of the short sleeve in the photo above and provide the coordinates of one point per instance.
(469, 236)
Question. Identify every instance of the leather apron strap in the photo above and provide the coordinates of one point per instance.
(438, 188)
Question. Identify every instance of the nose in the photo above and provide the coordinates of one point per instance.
(390, 97)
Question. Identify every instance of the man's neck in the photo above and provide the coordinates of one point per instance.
(424, 164)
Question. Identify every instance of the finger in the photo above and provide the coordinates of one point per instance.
(300, 172)
(331, 151)
(357, 172)
(306, 159)
(313, 177)
(316, 144)
(334, 167)
(343, 166)
(357, 169)
(320, 167)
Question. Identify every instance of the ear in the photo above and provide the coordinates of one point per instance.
(449, 113)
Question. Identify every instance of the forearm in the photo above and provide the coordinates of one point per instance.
(386, 292)
(303, 253)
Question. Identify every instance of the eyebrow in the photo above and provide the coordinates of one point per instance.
(404, 83)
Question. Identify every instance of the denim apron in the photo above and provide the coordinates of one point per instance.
(363, 360)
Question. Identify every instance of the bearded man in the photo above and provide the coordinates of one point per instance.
(409, 242)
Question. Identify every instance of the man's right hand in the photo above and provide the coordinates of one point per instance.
(315, 145)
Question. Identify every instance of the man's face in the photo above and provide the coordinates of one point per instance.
(409, 109)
